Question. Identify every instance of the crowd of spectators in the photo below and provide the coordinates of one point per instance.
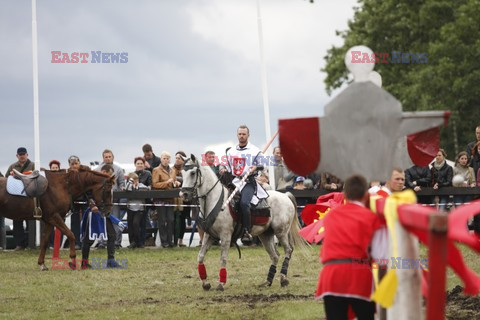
(172, 215)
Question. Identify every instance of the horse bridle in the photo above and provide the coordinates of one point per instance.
(198, 178)
(101, 206)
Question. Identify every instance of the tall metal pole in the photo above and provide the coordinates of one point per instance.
(36, 122)
(266, 107)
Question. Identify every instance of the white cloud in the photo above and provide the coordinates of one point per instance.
(193, 73)
(296, 37)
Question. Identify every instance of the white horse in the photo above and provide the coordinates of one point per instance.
(199, 181)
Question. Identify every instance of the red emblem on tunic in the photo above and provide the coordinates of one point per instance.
(238, 166)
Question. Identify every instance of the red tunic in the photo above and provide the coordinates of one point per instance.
(348, 232)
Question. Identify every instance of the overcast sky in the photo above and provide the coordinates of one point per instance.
(192, 76)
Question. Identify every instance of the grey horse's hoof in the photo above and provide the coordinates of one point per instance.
(43, 267)
(284, 281)
(266, 284)
(220, 287)
(206, 286)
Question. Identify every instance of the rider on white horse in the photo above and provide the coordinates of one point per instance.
(241, 159)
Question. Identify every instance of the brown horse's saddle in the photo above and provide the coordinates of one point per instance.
(34, 184)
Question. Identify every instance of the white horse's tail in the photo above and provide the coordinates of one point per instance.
(295, 239)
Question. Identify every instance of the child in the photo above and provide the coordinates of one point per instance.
(135, 210)
(299, 183)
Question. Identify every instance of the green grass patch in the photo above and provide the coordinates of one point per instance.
(160, 284)
(164, 284)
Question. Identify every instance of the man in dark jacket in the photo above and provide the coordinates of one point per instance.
(152, 161)
(22, 165)
(417, 177)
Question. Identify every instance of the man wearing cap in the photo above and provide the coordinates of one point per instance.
(22, 165)
(299, 183)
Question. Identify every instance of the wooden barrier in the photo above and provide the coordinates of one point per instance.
(309, 196)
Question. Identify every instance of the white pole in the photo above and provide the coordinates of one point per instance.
(408, 299)
(36, 123)
(266, 107)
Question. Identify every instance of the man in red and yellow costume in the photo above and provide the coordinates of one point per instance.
(346, 278)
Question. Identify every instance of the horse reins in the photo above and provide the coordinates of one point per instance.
(209, 218)
(101, 205)
(194, 188)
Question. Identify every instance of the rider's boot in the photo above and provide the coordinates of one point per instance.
(247, 237)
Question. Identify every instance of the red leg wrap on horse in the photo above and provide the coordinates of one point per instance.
(223, 275)
(202, 271)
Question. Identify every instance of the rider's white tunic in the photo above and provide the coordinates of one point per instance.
(240, 160)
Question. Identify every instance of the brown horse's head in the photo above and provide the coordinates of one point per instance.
(99, 184)
(103, 193)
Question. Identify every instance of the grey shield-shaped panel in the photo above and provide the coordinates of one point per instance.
(359, 132)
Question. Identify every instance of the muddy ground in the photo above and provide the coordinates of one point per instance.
(462, 307)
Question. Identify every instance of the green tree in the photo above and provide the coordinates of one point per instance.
(448, 31)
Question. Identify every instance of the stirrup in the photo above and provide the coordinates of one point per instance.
(247, 237)
(37, 213)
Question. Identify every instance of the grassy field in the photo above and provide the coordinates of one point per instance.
(160, 284)
(163, 284)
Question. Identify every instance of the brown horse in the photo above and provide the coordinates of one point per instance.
(63, 187)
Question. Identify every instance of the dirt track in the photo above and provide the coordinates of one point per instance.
(462, 307)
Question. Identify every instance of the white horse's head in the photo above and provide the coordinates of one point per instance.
(191, 178)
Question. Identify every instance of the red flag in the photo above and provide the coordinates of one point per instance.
(301, 154)
(457, 225)
(423, 146)
(313, 214)
(332, 198)
(313, 233)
